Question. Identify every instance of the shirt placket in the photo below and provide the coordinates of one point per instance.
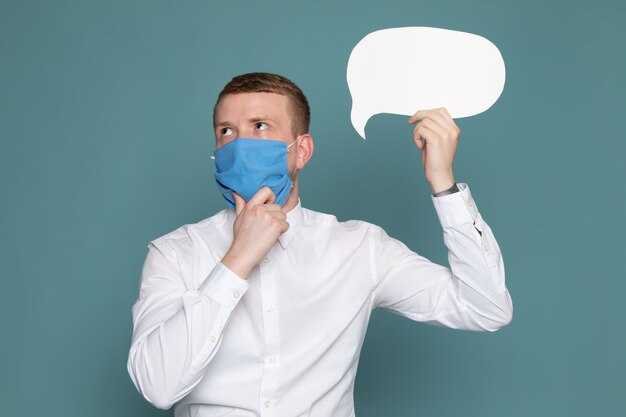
(271, 361)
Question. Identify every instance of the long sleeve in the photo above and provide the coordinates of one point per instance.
(176, 329)
(471, 294)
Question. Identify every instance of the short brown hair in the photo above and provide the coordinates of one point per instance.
(263, 82)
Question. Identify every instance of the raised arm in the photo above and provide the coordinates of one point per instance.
(471, 293)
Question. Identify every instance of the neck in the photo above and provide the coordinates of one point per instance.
(292, 201)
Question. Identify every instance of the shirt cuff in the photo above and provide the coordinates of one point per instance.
(224, 286)
(457, 208)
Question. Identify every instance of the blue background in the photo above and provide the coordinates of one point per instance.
(105, 126)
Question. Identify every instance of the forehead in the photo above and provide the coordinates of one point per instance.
(252, 105)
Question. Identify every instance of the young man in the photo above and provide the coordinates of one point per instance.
(262, 308)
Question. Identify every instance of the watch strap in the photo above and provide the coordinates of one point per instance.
(451, 190)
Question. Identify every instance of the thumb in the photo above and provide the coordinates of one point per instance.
(240, 203)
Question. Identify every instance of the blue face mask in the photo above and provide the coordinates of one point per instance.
(246, 165)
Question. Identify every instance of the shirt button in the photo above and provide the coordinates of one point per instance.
(267, 403)
(273, 360)
(236, 294)
(213, 339)
(485, 246)
(270, 309)
(266, 261)
(470, 204)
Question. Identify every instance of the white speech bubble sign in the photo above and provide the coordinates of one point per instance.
(402, 70)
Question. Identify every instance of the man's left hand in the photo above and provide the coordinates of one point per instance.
(437, 136)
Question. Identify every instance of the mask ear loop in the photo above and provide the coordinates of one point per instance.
(295, 169)
(293, 143)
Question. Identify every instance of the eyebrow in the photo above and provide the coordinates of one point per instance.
(253, 120)
(223, 123)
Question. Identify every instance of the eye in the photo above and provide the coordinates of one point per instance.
(226, 131)
(261, 125)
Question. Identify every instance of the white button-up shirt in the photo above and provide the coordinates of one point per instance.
(286, 342)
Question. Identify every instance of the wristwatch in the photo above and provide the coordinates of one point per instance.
(451, 190)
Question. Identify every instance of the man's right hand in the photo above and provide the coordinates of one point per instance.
(258, 226)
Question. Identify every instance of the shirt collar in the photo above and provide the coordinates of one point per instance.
(294, 218)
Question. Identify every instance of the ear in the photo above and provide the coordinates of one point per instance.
(305, 150)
